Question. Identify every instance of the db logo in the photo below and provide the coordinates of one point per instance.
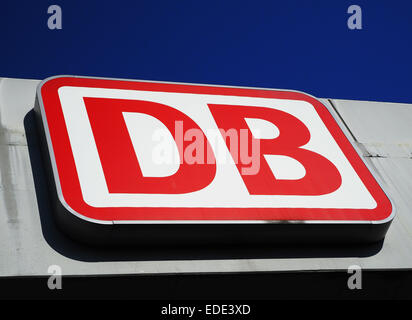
(137, 161)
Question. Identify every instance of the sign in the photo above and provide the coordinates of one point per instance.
(143, 162)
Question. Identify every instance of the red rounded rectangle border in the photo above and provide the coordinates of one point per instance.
(68, 185)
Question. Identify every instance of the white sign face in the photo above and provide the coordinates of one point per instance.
(146, 152)
(227, 188)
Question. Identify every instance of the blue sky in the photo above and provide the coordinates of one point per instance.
(300, 45)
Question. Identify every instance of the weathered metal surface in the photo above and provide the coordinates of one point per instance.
(30, 242)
